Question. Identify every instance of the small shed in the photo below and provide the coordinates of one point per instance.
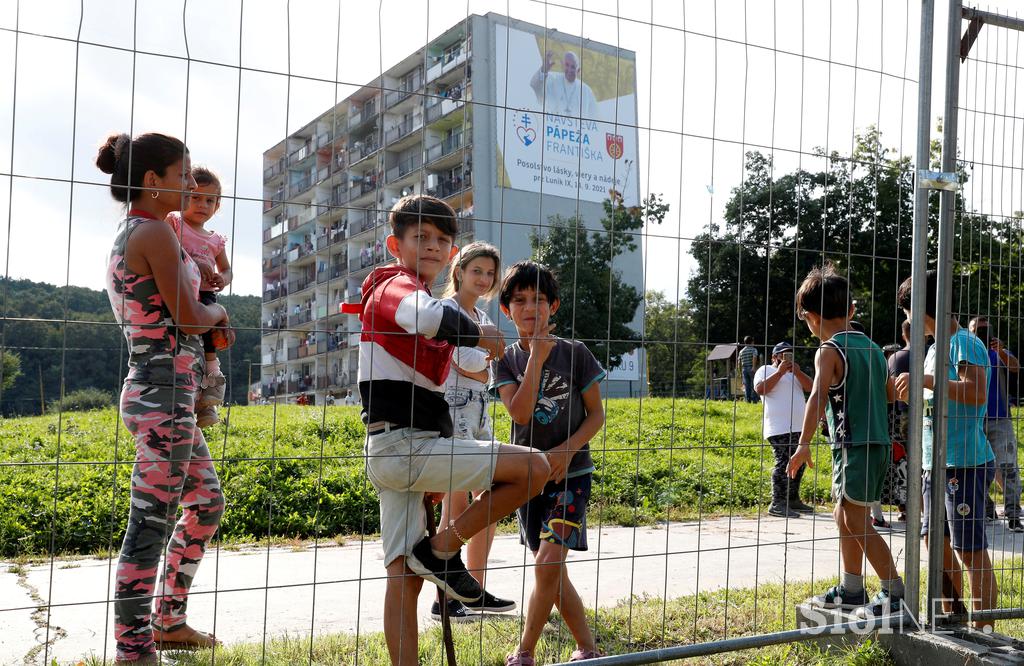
(721, 372)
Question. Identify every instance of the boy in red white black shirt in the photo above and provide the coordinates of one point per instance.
(404, 358)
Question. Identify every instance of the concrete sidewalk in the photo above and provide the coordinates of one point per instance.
(248, 594)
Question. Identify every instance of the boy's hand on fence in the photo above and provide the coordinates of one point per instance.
(802, 456)
(216, 281)
(558, 459)
(902, 386)
(493, 341)
(541, 344)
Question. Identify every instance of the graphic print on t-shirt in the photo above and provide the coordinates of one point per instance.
(549, 406)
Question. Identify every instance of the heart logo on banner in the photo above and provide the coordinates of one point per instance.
(526, 135)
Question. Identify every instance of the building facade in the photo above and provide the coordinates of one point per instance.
(441, 122)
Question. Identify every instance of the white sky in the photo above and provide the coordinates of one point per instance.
(701, 101)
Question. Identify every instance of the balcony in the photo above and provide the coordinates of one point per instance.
(274, 170)
(273, 232)
(447, 147)
(450, 61)
(300, 153)
(404, 168)
(300, 186)
(275, 199)
(360, 150)
(302, 282)
(438, 107)
(274, 293)
(450, 187)
(366, 113)
(275, 324)
(323, 138)
(303, 317)
(402, 130)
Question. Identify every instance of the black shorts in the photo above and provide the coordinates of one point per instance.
(558, 515)
(208, 298)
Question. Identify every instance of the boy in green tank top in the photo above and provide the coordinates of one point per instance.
(851, 387)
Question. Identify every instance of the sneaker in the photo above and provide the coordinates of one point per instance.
(883, 523)
(519, 659)
(456, 612)
(213, 390)
(582, 655)
(990, 511)
(449, 575)
(800, 507)
(880, 605)
(838, 597)
(207, 416)
(782, 511)
(1014, 525)
(488, 603)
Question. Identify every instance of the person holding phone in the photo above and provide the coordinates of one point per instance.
(782, 385)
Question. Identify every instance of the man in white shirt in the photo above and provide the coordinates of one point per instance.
(563, 92)
(782, 385)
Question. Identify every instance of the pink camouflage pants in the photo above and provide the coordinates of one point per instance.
(172, 468)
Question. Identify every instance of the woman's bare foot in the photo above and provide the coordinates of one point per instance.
(183, 637)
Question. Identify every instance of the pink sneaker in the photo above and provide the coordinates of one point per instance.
(519, 659)
(582, 655)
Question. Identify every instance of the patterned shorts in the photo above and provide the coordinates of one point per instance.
(558, 515)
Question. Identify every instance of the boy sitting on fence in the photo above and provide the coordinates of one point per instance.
(404, 358)
(551, 389)
(970, 465)
(850, 387)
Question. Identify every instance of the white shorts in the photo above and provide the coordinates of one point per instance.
(405, 463)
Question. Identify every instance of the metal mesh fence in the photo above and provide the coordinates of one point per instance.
(681, 168)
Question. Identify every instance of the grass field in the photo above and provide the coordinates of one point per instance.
(296, 472)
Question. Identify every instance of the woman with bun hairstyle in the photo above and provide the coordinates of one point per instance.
(153, 288)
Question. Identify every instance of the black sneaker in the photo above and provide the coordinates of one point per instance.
(488, 603)
(449, 575)
(990, 511)
(782, 511)
(1014, 525)
(456, 612)
(800, 507)
(838, 597)
(880, 605)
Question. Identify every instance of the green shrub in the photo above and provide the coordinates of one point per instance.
(83, 400)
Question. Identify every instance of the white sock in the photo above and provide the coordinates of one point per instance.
(443, 554)
(894, 587)
(853, 583)
(213, 367)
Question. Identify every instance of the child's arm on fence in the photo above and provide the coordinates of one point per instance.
(825, 362)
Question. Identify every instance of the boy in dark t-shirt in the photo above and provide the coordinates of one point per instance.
(551, 389)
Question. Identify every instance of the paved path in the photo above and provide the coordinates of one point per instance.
(229, 591)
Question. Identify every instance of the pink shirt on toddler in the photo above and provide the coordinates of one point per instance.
(203, 247)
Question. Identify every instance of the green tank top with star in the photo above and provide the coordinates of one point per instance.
(857, 408)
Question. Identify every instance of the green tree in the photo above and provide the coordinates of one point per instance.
(597, 306)
(10, 369)
(672, 346)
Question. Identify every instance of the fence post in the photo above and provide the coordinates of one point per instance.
(943, 309)
(919, 266)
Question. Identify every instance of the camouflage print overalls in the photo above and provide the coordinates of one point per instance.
(172, 462)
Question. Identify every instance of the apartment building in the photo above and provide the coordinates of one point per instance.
(440, 122)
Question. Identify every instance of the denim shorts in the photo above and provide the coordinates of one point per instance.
(966, 490)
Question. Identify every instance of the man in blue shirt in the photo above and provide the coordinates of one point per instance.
(999, 425)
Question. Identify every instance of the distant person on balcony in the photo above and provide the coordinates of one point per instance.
(473, 277)
(208, 249)
(153, 287)
(563, 92)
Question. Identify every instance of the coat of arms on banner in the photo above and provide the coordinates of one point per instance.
(613, 144)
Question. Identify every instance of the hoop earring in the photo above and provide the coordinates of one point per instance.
(155, 195)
